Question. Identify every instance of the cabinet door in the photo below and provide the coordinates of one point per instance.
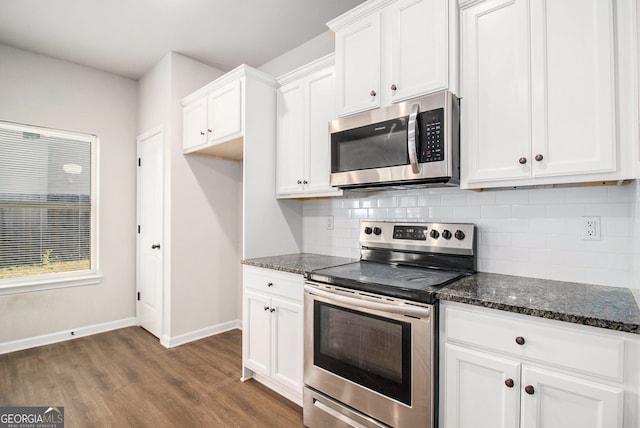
(320, 103)
(561, 401)
(291, 138)
(287, 345)
(476, 394)
(358, 66)
(225, 112)
(495, 111)
(257, 337)
(418, 31)
(573, 62)
(194, 124)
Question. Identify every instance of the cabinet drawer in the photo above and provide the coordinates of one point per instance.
(274, 282)
(563, 345)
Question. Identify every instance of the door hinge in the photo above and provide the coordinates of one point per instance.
(138, 228)
(139, 161)
(138, 296)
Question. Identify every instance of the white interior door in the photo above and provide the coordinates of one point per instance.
(150, 225)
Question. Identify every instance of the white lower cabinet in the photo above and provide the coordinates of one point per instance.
(272, 345)
(501, 370)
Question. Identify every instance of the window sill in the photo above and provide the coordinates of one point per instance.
(49, 284)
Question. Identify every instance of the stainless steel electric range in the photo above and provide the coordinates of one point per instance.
(371, 326)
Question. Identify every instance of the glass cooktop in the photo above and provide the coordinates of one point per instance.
(405, 282)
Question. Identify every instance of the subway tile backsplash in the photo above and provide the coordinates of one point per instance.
(523, 232)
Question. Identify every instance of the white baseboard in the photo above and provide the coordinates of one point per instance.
(61, 336)
(170, 342)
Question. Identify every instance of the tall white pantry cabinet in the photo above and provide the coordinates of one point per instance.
(549, 91)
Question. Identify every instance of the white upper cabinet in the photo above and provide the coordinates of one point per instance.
(214, 117)
(547, 93)
(388, 51)
(306, 104)
(358, 59)
(224, 112)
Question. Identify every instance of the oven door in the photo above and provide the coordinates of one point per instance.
(369, 354)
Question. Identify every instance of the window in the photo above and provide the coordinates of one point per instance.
(47, 208)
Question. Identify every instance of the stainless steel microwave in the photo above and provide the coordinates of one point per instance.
(416, 142)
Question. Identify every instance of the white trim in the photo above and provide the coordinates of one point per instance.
(170, 342)
(61, 336)
(48, 284)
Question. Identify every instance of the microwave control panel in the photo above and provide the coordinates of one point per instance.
(431, 125)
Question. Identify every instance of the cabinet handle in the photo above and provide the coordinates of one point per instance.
(266, 308)
(529, 389)
(394, 87)
(372, 93)
(274, 309)
(522, 160)
(539, 157)
(520, 340)
(509, 383)
(269, 284)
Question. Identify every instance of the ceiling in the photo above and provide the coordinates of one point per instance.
(128, 37)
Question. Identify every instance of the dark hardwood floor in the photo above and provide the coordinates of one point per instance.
(126, 378)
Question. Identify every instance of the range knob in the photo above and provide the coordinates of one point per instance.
(434, 234)
(446, 234)
(368, 230)
(459, 235)
(377, 231)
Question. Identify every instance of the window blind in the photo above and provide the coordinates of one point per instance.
(47, 203)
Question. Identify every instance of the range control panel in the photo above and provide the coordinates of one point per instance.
(456, 238)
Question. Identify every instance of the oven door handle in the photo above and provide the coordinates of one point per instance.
(412, 138)
(395, 309)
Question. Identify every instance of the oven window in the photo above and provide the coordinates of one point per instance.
(380, 145)
(372, 351)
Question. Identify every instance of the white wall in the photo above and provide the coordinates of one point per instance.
(305, 53)
(524, 232)
(202, 254)
(43, 91)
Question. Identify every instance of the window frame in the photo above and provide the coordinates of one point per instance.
(72, 278)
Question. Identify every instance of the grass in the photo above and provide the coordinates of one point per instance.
(47, 267)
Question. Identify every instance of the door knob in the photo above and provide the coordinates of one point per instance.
(155, 247)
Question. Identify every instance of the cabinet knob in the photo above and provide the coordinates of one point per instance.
(274, 309)
(372, 93)
(266, 308)
(539, 157)
(520, 340)
(269, 284)
(305, 182)
(529, 389)
(299, 181)
(201, 133)
(394, 87)
(509, 383)
(209, 130)
(522, 160)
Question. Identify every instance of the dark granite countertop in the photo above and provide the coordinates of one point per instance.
(593, 305)
(297, 263)
(599, 306)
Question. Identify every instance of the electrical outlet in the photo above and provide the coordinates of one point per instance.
(590, 228)
(330, 222)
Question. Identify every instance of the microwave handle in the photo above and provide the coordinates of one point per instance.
(412, 140)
